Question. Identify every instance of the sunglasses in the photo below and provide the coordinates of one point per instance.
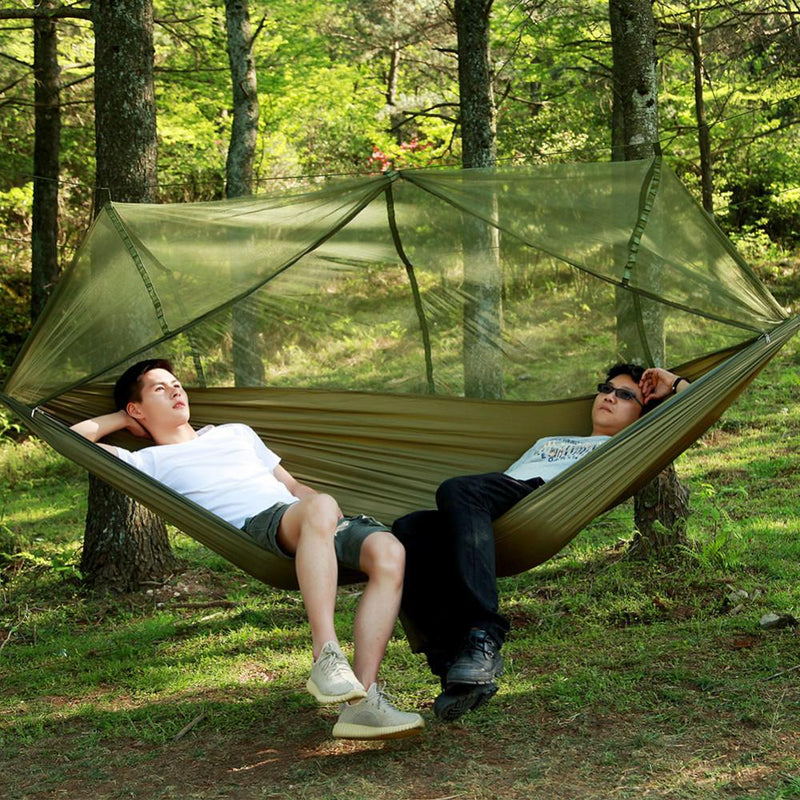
(619, 391)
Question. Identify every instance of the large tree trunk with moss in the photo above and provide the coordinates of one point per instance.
(124, 544)
(483, 369)
(661, 508)
(46, 150)
(248, 365)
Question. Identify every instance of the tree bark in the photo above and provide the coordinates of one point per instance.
(703, 134)
(124, 98)
(244, 131)
(660, 511)
(248, 365)
(46, 154)
(124, 543)
(661, 508)
(634, 76)
(483, 369)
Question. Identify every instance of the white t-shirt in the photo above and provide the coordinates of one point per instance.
(227, 469)
(551, 455)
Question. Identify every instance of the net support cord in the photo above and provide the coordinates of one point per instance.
(646, 199)
(412, 278)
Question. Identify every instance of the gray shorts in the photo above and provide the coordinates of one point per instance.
(350, 533)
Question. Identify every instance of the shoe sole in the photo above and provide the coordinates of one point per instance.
(454, 706)
(354, 694)
(347, 730)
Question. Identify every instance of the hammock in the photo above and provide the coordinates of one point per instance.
(538, 250)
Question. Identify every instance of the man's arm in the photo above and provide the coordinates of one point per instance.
(294, 486)
(98, 428)
(657, 383)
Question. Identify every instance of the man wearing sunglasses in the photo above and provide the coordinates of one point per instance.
(450, 597)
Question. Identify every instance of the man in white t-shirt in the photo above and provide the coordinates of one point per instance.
(450, 598)
(228, 470)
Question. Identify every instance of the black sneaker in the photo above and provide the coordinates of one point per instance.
(456, 701)
(480, 660)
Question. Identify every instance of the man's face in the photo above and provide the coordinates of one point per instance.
(164, 402)
(610, 414)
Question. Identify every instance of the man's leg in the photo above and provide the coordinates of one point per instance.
(362, 542)
(469, 504)
(382, 560)
(307, 531)
(430, 612)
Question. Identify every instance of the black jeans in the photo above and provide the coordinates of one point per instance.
(450, 581)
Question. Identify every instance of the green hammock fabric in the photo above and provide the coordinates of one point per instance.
(366, 305)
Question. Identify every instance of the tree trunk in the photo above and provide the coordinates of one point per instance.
(124, 543)
(124, 98)
(703, 134)
(46, 150)
(483, 368)
(660, 511)
(132, 554)
(661, 508)
(395, 116)
(634, 76)
(248, 365)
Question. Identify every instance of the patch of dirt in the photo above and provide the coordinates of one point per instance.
(549, 757)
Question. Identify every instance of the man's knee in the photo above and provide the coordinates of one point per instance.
(460, 489)
(322, 508)
(315, 515)
(382, 555)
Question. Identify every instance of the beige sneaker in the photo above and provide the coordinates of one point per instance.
(375, 717)
(332, 680)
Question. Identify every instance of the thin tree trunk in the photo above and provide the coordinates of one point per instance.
(395, 117)
(248, 365)
(483, 368)
(703, 134)
(124, 543)
(46, 151)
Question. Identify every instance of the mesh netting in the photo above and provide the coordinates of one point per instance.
(518, 283)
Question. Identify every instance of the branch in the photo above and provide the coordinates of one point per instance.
(16, 61)
(259, 28)
(38, 12)
(426, 112)
(4, 89)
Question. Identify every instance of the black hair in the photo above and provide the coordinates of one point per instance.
(128, 388)
(634, 372)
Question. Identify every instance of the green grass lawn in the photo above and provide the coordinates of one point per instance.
(624, 679)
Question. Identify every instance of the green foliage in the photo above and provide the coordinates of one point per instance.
(8, 424)
(717, 541)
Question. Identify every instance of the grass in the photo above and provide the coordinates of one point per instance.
(624, 679)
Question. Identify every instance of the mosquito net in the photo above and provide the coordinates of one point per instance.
(517, 283)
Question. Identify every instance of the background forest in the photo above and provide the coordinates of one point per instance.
(360, 86)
